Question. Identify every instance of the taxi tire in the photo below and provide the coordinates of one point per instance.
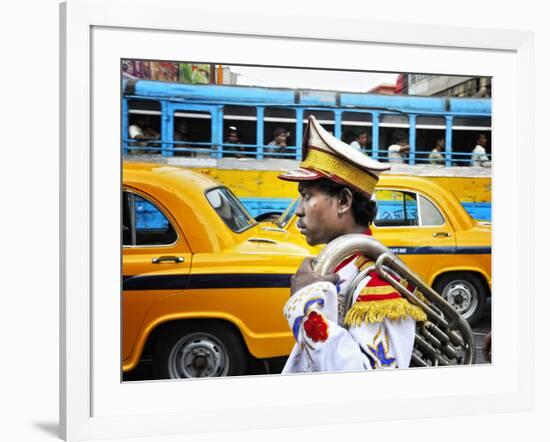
(475, 282)
(226, 337)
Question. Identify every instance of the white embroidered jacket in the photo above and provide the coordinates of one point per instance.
(381, 325)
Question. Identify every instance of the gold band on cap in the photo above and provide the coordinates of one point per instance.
(331, 164)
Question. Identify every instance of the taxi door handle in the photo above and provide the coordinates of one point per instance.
(161, 259)
(441, 234)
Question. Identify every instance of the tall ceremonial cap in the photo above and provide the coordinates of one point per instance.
(325, 156)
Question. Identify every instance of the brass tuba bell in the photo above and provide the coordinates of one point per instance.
(444, 339)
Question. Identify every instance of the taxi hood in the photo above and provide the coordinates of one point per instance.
(266, 239)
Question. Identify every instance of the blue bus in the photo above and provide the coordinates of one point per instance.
(194, 120)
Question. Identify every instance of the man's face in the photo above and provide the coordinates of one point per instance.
(362, 140)
(482, 140)
(182, 128)
(232, 137)
(281, 138)
(317, 215)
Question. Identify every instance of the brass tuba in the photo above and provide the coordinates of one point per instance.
(444, 339)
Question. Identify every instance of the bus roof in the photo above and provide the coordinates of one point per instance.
(251, 95)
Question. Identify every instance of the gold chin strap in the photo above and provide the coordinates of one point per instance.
(331, 164)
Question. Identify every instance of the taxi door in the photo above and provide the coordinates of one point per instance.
(415, 228)
(156, 261)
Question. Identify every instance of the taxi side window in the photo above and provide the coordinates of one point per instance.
(143, 224)
(429, 214)
(396, 208)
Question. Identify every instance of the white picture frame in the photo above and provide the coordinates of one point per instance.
(93, 403)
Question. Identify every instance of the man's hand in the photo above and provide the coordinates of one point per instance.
(306, 276)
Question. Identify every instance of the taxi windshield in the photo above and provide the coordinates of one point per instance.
(230, 209)
(288, 213)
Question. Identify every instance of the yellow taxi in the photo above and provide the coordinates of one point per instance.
(427, 226)
(204, 284)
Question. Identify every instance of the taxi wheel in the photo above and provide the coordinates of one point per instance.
(465, 292)
(204, 349)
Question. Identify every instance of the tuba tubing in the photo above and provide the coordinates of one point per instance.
(444, 339)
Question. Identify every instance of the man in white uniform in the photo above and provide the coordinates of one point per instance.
(336, 184)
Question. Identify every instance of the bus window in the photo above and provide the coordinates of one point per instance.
(192, 133)
(466, 131)
(279, 133)
(464, 141)
(429, 132)
(144, 127)
(239, 131)
(357, 128)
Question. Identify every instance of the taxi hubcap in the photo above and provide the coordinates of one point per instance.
(198, 355)
(462, 296)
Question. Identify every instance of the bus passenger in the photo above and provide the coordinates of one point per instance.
(361, 141)
(479, 154)
(181, 134)
(142, 132)
(400, 148)
(278, 144)
(233, 138)
(436, 157)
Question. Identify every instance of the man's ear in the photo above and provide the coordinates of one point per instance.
(345, 199)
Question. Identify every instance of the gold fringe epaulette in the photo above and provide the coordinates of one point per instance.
(376, 311)
(378, 300)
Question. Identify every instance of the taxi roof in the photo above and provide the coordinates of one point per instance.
(180, 179)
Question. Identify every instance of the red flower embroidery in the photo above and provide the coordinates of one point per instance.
(316, 328)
